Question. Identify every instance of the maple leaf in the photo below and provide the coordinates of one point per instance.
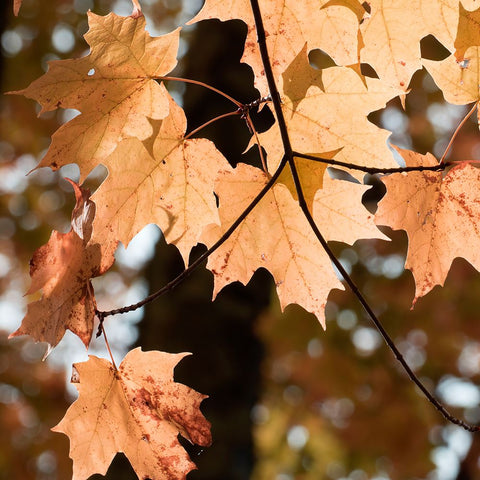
(438, 213)
(338, 209)
(275, 235)
(331, 115)
(310, 174)
(440, 18)
(468, 34)
(391, 36)
(289, 25)
(459, 81)
(114, 87)
(138, 410)
(62, 268)
(168, 184)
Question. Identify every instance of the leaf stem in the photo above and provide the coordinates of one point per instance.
(202, 84)
(108, 345)
(219, 117)
(182, 276)
(289, 154)
(253, 130)
(465, 118)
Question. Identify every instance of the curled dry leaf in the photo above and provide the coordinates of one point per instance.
(138, 410)
(62, 268)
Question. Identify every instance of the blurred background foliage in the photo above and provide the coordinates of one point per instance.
(287, 400)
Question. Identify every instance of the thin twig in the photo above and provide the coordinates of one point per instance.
(261, 38)
(197, 82)
(373, 170)
(465, 118)
(353, 287)
(182, 276)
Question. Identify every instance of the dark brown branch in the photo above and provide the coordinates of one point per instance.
(373, 170)
(289, 154)
(179, 279)
(434, 401)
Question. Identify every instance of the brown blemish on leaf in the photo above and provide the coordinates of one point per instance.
(123, 412)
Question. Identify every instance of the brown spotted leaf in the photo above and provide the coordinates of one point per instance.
(114, 88)
(138, 410)
(62, 269)
(331, 114)
(440, 215)
(289, 26)
(170, 184)
(275, 236)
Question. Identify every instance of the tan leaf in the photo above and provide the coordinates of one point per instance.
(171, 186)
(393, 30)
(62, 268)
(468, 32)
(114, 87)
(138, 410)
(333, 118)
(339, 211)
(439, 215)
(310, 174)
(459, 81)
(440, 18)
(275, 236)
(443, 19)
(391, 36)
(289, 25)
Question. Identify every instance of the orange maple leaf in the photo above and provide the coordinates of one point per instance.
(62, 268)
(438, 213)
(459, 81)
(440, 19)
(289, 26)
(391, 35)
(468, 31)
(138, 410)
(114, 87)
(275, 235)
(331, 114)
(169, 184)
